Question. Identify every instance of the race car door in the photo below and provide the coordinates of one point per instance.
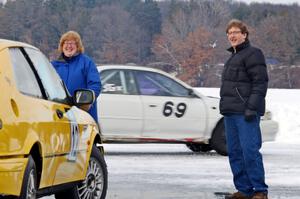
(171, 110)
(119, 105)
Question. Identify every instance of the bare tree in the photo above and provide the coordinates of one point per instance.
(274, 39)
(187, 54)
(209, 14)
(115, 35)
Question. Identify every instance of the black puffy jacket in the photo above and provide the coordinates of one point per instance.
(244, 81)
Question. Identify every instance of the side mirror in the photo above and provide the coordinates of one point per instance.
(83, 97)
(192, 93)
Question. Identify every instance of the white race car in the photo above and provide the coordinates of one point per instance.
(146, 105)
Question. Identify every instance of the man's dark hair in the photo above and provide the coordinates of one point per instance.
(239, 24)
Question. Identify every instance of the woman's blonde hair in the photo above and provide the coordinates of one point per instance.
(71, 35)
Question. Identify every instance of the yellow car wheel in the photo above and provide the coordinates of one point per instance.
(29, 185)
(94, 186)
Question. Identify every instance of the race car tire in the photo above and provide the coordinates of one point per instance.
(196, 147)
(94, 185)
(218, 140)
(29, 185)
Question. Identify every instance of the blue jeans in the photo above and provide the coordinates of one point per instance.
(243, 143)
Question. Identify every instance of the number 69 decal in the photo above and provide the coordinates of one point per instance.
(179, 109)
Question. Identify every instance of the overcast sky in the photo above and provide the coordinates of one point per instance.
(273, 1)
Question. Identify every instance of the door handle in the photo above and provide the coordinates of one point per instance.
(59, 113)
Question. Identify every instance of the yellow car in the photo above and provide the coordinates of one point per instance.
(47, 144)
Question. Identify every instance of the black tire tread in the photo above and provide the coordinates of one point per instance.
(29, 167)
(218, 139)
(197, 147)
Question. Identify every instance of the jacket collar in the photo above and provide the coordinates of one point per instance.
(63, 58)
(239, 47)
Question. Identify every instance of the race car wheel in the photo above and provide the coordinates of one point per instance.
(94, 186)
(196, 147)
(29, 185)
(218, 140)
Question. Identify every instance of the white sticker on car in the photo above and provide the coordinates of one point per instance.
(111, 88)
(74, 136)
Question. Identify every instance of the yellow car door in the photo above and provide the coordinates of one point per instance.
(70, 141)
(32, 114)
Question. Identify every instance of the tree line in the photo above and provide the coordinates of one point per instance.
(186, 38)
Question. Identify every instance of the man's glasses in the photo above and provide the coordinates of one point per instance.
(233, 32)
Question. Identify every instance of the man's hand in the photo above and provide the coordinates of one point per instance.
(85, 107)
(250, 115)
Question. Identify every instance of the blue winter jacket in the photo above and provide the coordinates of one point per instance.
(79, 72)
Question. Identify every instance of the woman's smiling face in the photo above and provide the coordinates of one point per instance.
(69, 48)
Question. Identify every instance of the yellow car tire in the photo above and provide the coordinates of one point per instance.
(94, 186)
(29, 185)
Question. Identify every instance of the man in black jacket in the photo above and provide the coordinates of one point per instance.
(243, 91)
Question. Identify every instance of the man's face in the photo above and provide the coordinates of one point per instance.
(235, 36)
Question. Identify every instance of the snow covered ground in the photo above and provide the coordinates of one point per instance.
(172, 171)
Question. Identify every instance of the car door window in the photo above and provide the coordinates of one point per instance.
(118, 82)
(151, 83)
(50, 79)
(130, 83)
(24, 75)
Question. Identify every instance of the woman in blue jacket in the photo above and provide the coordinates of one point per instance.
(76, 69)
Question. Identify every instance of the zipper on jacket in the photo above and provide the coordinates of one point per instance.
(237, 90)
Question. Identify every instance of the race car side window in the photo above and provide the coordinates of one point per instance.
(50, 79)
(24, 76)
(111, 82)
(118, 82)
(156, 84)
(130, 83)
